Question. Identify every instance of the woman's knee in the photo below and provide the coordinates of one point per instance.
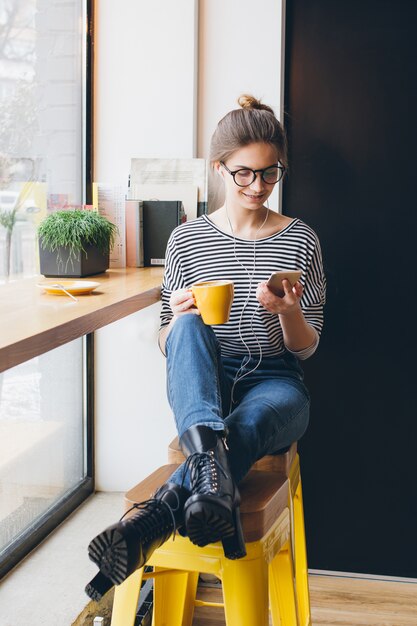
(189, 325)
(190, 328)
(188, 321)
(266, 422)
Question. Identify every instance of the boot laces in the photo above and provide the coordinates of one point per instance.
(204, 468)
(153, 517)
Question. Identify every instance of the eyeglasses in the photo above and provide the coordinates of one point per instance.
(246, 176)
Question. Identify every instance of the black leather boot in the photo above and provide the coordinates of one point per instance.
(211, 513)
(127, 545)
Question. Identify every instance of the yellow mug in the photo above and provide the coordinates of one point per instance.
(214, 300)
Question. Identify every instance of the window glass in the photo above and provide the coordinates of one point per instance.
(41, 437)
(41, 129)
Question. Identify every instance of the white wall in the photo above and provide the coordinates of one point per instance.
(145, 98)
(145, 85)
(133, 419)
(239, 52)
(145, 89)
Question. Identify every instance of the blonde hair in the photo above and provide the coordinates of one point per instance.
(253, 122)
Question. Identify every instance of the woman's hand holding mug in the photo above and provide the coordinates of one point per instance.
(211, 299)
(182, 302)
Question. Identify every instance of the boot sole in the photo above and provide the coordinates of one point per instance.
(234, 546)
(207, 523)
(109, 551)
(97, 587)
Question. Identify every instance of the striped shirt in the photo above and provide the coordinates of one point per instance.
(199, 251)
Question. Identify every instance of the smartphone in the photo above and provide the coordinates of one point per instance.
(275, 280)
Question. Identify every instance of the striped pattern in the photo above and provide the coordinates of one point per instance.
(199, 251)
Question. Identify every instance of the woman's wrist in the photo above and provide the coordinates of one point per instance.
(298, 334)
(305, 353)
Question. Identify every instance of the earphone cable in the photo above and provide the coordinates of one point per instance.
(238, 377)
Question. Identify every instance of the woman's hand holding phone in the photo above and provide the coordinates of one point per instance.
(281, 293)
(275, 284)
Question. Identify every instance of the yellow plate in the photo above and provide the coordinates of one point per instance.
(74, 287)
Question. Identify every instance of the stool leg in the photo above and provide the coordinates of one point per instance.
(283, 600)
(126, 598)
(190, 594)
(245, 592)
(301, 571)
(173, 598)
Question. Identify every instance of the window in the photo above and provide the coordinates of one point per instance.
(44, 468)
(42, 113)
(45, 403)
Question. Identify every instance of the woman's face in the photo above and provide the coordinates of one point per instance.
(255, 156)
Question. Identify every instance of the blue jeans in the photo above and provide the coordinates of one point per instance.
(270, 407)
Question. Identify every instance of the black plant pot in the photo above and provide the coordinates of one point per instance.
(78, 265)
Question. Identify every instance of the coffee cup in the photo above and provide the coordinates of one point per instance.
(214, 300)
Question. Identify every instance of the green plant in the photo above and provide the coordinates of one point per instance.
(8, 220)
(74, 229)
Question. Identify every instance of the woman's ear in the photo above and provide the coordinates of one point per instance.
(219, 169)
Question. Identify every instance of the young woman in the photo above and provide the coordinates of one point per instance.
(236, 390)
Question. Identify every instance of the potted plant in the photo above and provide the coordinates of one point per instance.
(75, 243)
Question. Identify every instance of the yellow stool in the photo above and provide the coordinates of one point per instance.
(263, 580)
(288, 465)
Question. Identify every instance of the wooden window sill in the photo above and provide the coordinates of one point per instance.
(33, 322)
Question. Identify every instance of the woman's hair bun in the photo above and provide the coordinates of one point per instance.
(247, 101)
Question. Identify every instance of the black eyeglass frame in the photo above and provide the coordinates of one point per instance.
(280, 169)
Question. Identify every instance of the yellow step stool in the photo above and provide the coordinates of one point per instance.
(286, 464)
(261, 582)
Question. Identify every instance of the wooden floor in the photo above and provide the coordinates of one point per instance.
(338, 601)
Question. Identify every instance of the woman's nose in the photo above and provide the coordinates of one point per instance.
(258, 183)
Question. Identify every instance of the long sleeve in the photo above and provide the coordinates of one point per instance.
(173, 279)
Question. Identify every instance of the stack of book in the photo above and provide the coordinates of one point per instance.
(162, 193)
(149, 224)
